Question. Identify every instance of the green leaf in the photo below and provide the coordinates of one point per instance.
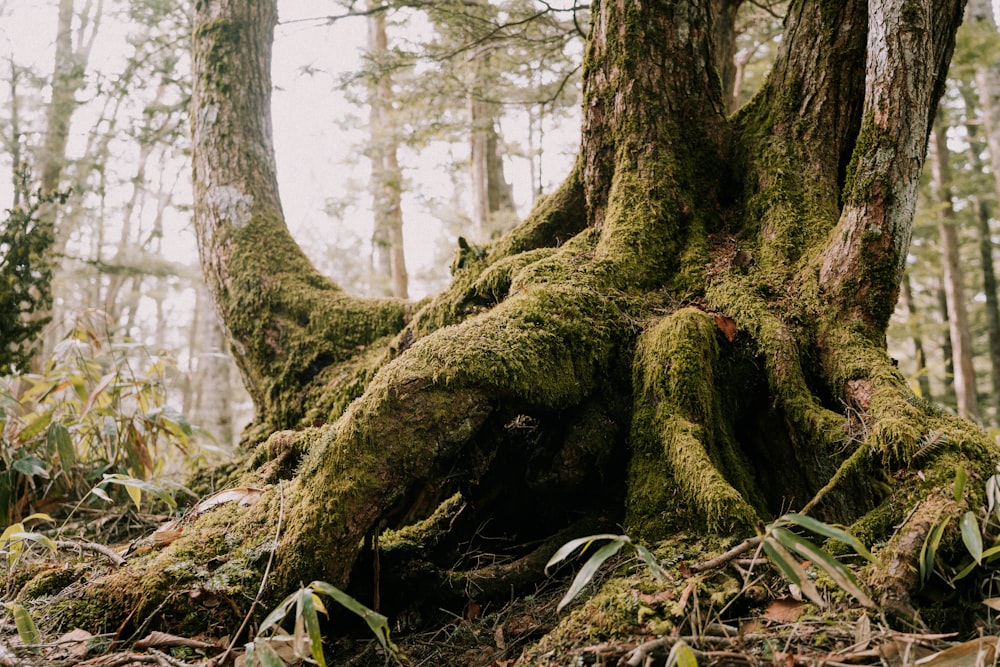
(312, 627)
(589, 569)
(278, 613)
(789, 565)
(928, 552)
(961, 477)
(36, 537)
(102, 494)
(831, 532)
(993, 495)
(681, 655)
(133, 486)
(13, 544)
(654, 566)
(110, 429)
(964, 572)
(840, 573)
(565, 550)
(377, 623)
(267, 656)
(26, 628)
(60, 443)
(971, 536)
(31, 467)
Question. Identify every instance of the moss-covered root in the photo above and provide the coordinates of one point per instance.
(545, 348)
(896, 575)
(681, 437)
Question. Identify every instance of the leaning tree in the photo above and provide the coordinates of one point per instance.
(688, 335)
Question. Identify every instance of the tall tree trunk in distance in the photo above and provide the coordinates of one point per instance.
(211, 402)
(958, 317)
(979, 13)
(387, 179)
(947, 355)
(614, 355)
(919, 358)
(13, 140)
(724, 48)
(982, 211)
(492, 195)
(69, 70)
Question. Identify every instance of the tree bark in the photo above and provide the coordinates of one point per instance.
(288, 325)
(689, 333)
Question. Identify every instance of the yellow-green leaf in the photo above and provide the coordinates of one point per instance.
(26, 628)
(681, 655)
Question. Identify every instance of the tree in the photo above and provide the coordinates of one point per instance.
(705, 299)
(958, 317)
(387, 178)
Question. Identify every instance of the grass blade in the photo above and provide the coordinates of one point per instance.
(840, 573)
(789, 565)
(831, 532)
(590, 568)
(565, 550)
(312, 627)
(26, 628)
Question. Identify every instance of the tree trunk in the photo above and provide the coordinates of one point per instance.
(689, 333)
(982, 209)
(387, 179)
(919, 357)
(958, 317)
(211, 402)
(979, 13)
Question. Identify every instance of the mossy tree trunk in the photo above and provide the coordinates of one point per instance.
(692, 324)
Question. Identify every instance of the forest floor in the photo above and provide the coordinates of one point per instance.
(771, 627)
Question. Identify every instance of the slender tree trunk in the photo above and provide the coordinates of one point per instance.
(947, 354)
(211, 407)
(980, 13)
(919, 358)
(958, 318)
(492, 195)
(387, 179)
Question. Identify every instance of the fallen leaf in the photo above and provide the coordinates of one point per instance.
(245, 495)
(784, 610)
(974, 653)
(727, 325)
(166, 534)
(158, 639)
(71, 646)
(499, 639)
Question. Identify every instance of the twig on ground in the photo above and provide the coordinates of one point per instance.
(722, 559)
(110, 553)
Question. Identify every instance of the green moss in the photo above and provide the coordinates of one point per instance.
(629, 602)
(223, 38)
(684, 456)
(300, 340)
